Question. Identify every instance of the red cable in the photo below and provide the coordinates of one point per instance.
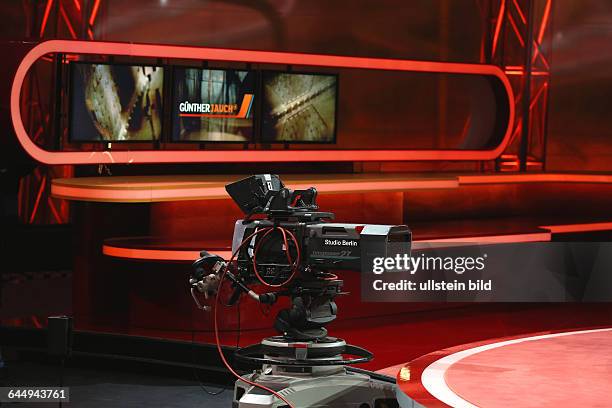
(216, 325)
(287, 251)
(295, 265)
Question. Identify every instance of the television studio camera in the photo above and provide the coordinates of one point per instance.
(289, 247)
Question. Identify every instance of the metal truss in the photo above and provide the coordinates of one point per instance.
(72, 19)
(520, 41)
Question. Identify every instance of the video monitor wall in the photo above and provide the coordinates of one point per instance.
(213, 105)
(116, 103)
(125, 103)
(298, 107)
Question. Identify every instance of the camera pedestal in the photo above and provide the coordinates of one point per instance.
(310, 374)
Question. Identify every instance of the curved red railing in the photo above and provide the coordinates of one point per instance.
(220, 54)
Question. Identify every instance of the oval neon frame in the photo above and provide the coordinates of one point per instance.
(221, 54)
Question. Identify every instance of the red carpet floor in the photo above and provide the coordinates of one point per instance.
(545, 370)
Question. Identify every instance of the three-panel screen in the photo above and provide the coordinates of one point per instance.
(126, 103)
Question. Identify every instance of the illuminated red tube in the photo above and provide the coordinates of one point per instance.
(221, 54)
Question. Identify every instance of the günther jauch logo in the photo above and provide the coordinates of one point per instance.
(217, 110)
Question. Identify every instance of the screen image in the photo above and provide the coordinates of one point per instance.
(298, 107)
(213, 105)
(115, 103)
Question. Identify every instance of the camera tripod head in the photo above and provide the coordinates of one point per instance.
(312, 307)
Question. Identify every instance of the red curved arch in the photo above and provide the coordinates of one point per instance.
(221, 54)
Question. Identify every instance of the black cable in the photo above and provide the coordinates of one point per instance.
(220, 288)
(216, 322)
(193, 360)
(193, 369)
(238, 334)
(265, 309)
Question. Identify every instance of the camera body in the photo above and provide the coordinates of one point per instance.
(301, 248)
(324, 245)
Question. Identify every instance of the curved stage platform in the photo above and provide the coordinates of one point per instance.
(209, 187)
(543, 370)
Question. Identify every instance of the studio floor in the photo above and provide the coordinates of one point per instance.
(103, 388)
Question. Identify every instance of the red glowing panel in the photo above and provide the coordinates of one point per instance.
(157, 254)
(154, 189)
(220, 54)
(572, 228)
(171, 253)
(492, 239)
(535, 178)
